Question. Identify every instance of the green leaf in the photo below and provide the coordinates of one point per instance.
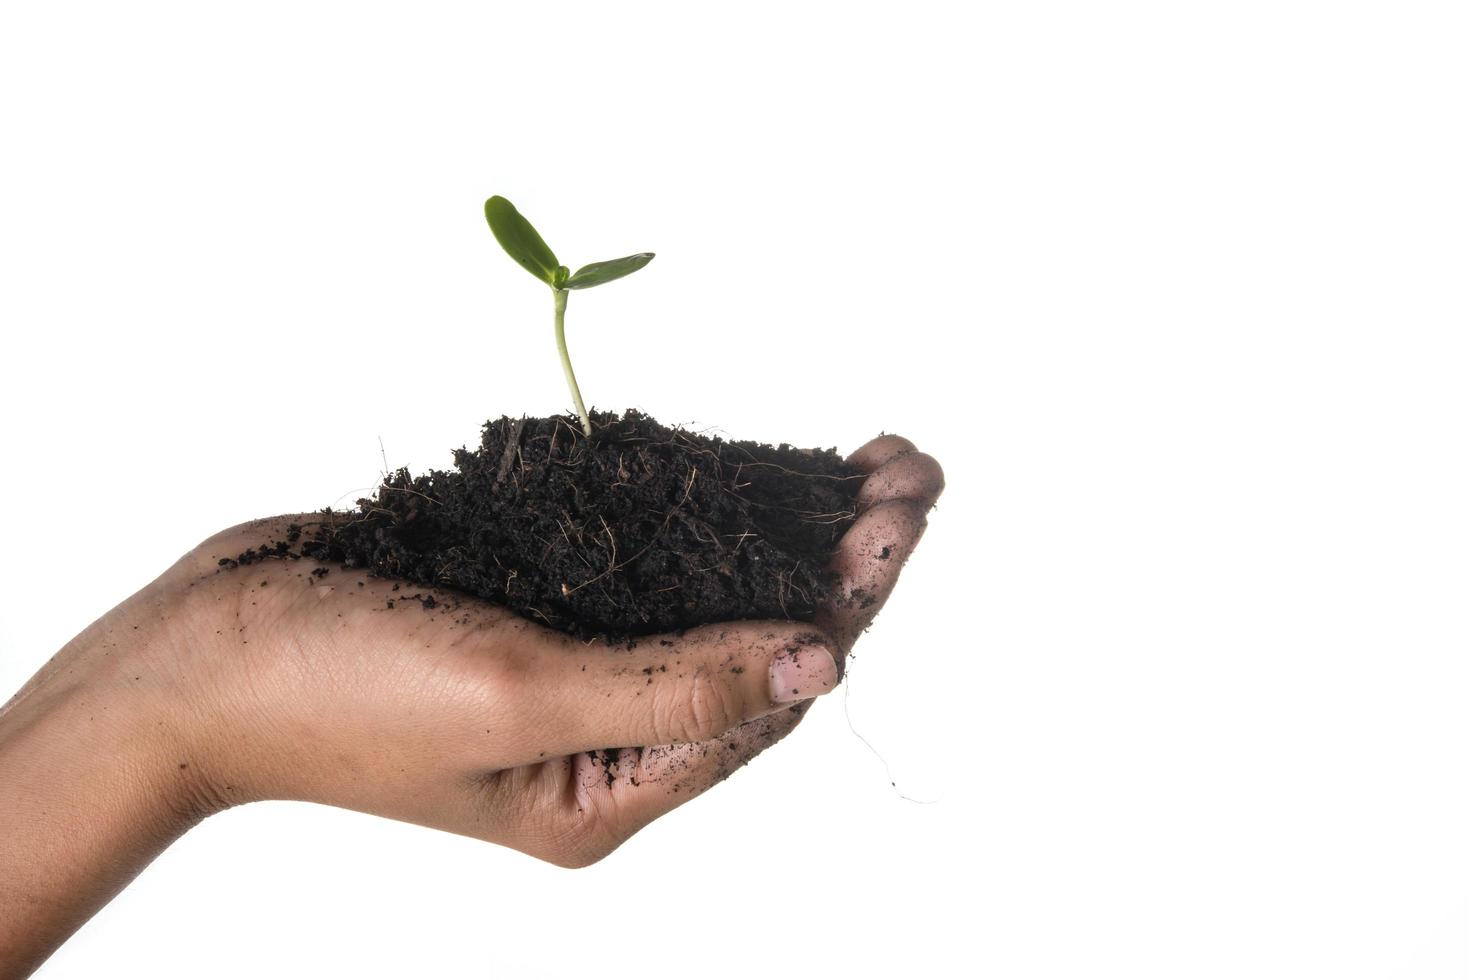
(520, 241)
(599, 272)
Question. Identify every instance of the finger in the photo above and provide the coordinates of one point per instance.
(875, 452)
(688, 770)
(913, 476)
(674, 689)
(867, 563)
(634, 787)
(576, 809)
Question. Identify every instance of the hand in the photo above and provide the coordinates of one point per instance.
(213, 687)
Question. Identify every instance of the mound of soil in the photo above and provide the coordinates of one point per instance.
(639, 529)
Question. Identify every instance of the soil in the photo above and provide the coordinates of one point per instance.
(639, 529)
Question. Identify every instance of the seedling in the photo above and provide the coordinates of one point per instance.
(523, 244)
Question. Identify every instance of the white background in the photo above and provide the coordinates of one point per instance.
(1176, 293)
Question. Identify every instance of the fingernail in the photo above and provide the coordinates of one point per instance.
(802, 672)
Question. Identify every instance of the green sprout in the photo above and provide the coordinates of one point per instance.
(523, 244)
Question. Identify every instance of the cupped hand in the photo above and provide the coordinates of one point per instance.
(434, 708)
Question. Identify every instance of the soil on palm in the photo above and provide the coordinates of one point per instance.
(639, 529)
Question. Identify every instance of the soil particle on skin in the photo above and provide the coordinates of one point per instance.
(639, 529)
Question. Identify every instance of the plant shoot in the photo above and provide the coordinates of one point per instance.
(523, 244)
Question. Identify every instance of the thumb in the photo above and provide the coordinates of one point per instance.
(689, 687)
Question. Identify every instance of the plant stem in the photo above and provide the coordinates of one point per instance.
(586, 422)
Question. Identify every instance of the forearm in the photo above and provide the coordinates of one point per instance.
(86, 803)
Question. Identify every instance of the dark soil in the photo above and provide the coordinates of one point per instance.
(640, 529)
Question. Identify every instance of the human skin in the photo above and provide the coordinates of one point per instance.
(212, 687)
